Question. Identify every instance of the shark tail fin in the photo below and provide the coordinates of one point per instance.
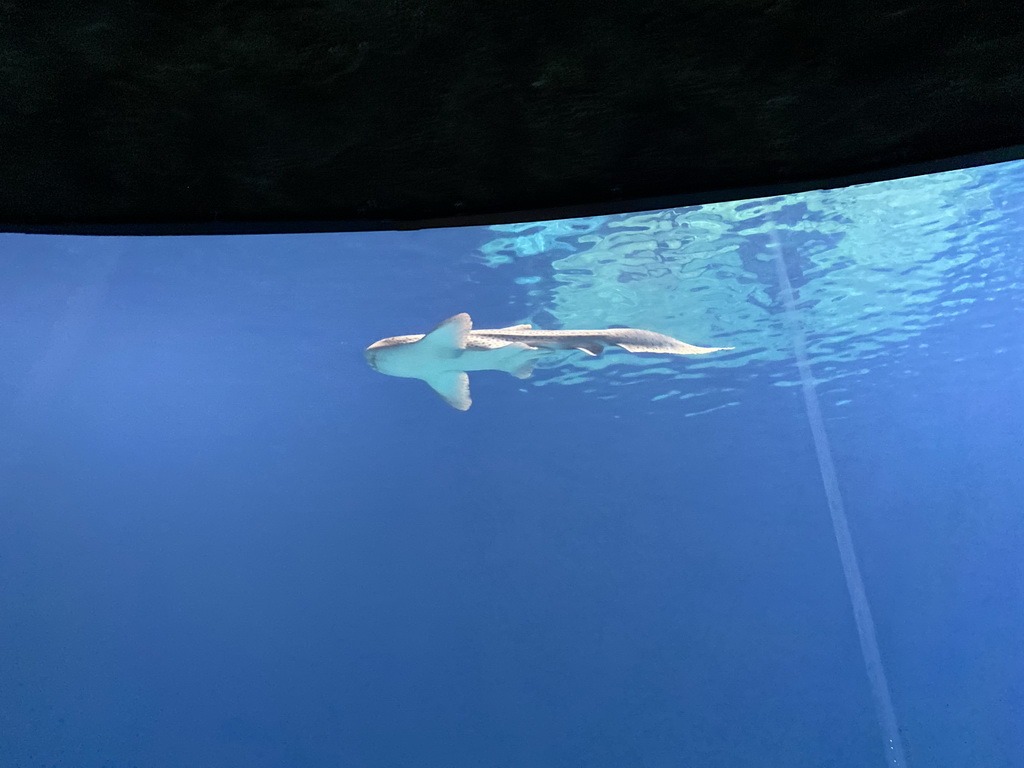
(640, 342)
(679, 348)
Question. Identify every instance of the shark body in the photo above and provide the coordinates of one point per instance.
(444, 356)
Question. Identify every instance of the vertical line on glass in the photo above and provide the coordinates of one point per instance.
(851, 569)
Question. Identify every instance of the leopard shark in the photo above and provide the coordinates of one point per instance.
(443, 357)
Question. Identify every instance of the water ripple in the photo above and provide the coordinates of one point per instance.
(874, 267)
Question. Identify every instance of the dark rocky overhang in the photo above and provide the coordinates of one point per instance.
(214, 116)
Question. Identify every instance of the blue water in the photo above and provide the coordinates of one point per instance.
(225, 541)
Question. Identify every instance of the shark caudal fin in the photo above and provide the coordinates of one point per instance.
(639, 342)
(679, 348)
(453, 386)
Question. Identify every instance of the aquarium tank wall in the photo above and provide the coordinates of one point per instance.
(227, 540)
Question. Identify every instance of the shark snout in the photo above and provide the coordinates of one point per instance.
(371, 357)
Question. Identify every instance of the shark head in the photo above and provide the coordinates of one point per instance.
(386, 356)
(431, 357)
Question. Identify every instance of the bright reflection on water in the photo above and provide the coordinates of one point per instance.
(874, 266)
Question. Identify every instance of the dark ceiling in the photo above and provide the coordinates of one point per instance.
(211, 116)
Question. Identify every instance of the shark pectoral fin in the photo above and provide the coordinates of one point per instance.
(453, 386)
(451, 334)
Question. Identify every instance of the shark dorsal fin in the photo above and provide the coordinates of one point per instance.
(451, 333)
(523, 327)
(453, 386)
